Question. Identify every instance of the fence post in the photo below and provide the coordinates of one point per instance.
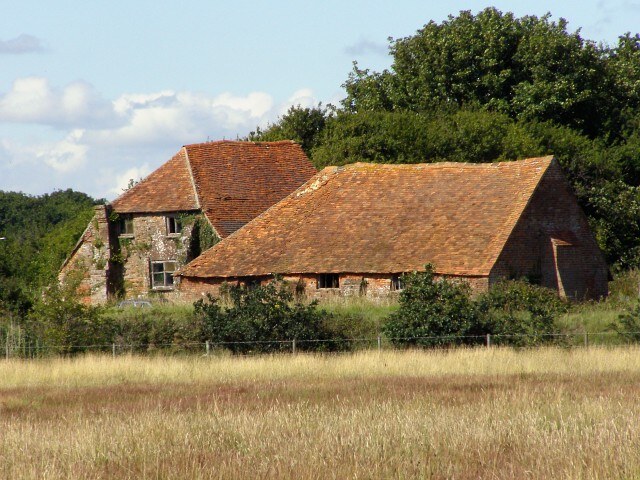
(586, 339)
(293, 346)
(379, 343)
(207, 345)
(488, 340)
(113, 349)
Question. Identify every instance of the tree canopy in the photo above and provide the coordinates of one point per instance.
(39, 233)
(493, 87)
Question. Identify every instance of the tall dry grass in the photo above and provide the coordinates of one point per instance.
(464, 413)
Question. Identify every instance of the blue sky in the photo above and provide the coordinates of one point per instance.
(95, 93)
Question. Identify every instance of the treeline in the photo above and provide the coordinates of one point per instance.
(39, 232)
(490, 86)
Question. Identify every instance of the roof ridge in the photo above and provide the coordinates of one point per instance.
(436, 165)
(191, 177)
(243, 142)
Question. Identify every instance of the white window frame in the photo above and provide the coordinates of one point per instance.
(167, 274)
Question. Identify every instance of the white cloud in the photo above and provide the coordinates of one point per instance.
(367, 47)
(63, 156)
(134, 173)
(33, 100)
(21, 44)
(106, 143)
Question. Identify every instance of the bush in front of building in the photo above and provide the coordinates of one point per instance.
(433, 312)
(265, 318)
(518, 313)
(62, 324)
(440, 312)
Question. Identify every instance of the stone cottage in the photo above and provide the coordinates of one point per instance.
(353, 230)
(207, 191)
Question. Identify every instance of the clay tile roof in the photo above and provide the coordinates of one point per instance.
(371, 218)
(237, 181)
(233, 181)
(167, 189)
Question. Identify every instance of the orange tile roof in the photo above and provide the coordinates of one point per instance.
(237, 181)
(167, 189)
(372, 218)
(230, 181)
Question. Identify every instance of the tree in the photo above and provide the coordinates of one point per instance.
(300, 124)
(531, 68)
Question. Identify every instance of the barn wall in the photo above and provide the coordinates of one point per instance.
(371, 286)
(552, 244)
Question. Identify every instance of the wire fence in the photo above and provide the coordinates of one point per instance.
(12, 347)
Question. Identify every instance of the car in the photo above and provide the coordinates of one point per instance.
(134, 303)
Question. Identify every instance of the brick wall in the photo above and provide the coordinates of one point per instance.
(371, 286)
(553, 245)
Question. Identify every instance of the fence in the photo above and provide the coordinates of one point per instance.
(21, 348)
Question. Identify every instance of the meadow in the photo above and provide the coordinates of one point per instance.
(458, 413)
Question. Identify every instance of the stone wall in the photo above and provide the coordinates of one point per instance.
(89, 262)
(109, 265)
(150, 242)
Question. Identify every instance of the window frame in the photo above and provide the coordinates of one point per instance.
(125, 225)
(175, 222)
(396, 283)
(167, 274)
(328, 281)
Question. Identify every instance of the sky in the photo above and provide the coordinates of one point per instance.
(93, 94)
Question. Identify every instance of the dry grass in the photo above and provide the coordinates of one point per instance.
(474, 413)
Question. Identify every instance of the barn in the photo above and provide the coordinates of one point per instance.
(355, 229)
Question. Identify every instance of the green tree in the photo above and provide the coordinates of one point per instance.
(531, 68)
(300, 124)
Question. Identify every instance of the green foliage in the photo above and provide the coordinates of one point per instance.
(433, 312)
(520, 309)
(59, 319)
(40, 232)
(440, 312)
(264, 314)
(406, 137)
(147, 330)
(628, 325)
(203, 237)
(302, 125)
(531, 68)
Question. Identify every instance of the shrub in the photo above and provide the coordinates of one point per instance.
(263, 319)
(628, 325)
(518, 313)
(433, 312)
(66, 325)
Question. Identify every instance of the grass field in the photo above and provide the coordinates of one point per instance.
(464, 413)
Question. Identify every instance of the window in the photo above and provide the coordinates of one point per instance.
(174, 225)
(397, 283)
(250, 283)
(162, 274)
(329, 280)
(125, 224)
